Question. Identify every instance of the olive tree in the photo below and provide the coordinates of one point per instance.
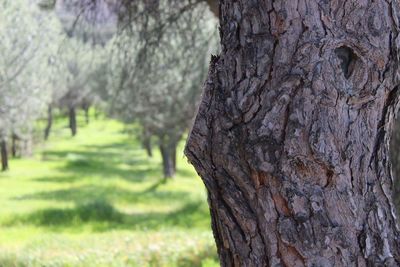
(147, 32)
(80, 60)
(157, 84)
(27, 40)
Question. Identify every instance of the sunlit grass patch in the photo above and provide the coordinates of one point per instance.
(118, 249)
(98, 200)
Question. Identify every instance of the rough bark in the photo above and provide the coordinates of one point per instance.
(292, 134)
(395, 160)
(72, 120)
(49, 122)
(4, 155)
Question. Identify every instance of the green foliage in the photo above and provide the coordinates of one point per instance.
(97, 200)
(78, 62)
(157, 71)
(28, 41)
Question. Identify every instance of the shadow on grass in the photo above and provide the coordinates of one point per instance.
(89, 157)
(59, 179)
(102, 216)
(92, 203)
(112, 193)
(100, 163)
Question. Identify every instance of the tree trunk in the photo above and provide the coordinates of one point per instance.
(146, 141)
(96, 113)
(27, 150)
(292, 135)
(173, 158)
(167, 154)
(14, 141)
(4, 155)
(147, 146)
(87, 119)
(72, 120)
(49, 122)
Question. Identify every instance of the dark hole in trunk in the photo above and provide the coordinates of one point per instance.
(347, 60)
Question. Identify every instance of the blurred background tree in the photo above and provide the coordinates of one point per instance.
(80, 60)
(158, 85)
(28, 39)
(158, 52)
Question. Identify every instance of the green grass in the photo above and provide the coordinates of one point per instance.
(98, 200)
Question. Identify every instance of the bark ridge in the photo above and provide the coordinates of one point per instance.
(291, 137)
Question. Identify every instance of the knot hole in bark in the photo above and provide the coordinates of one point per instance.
(347, 60)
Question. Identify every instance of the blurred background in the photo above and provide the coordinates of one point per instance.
(96, 100)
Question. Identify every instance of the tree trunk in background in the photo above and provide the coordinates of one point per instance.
(14, 141)
(87, 119)
(146, 141)
(49, 122)
(27, 149)
(173, 156)
(168, 153)
(72, 121)
(147, 146)
(4, 155)
(395, 160)
(96, 114)
(292, 135)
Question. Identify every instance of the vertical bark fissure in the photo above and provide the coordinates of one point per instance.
(291, 135)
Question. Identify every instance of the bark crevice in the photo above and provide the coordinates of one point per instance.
(291, 135)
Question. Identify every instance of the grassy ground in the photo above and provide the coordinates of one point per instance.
(97, 200)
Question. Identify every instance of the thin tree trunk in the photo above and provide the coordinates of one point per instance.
(49, 122)
(28, 146)
(147, 146)
(173, 157)
(87, 117)
(167, 153)
(4, 155)
(291, 138)
(146, 141)
(14, 141)
(96, 114)
(72, 121)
